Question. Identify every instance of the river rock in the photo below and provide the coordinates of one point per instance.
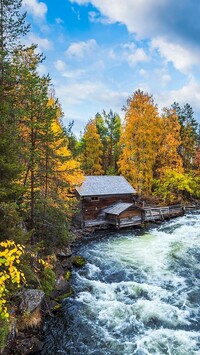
(31, 300)
(58, 269)
(62, 285)
(27, 345)
(36, 345)
(64, 252)
(67, 263)
(62, 290)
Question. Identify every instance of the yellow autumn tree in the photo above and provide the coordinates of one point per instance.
(168, 156)
(140, 141)
(67, 173)
(91, 157)
(58, 173)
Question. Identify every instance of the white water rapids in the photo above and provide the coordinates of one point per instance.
(139, 293)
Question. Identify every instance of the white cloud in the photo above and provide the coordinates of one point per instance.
(42, 69)
(134, 55)
(60, 65)
(81, 49)
(178, 34)
(161, 76)
(96, 17)
(43, 43)
(165, 79)
(94, 93)
(137, 15)
(59, 21)
(66, 72)
(77, 13)
(188, 93)
(37, 9)
(112, 54)
(143, 73)
(182, 58)
(138, 56)
(76, 93)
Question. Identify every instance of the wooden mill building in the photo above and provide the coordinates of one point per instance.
(111, 201)
(107, 200)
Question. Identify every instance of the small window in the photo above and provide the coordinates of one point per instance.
(95, 198)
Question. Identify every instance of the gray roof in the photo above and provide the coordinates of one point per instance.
(118, 208)
(105, 185)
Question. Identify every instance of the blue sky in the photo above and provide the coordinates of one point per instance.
(99, 52)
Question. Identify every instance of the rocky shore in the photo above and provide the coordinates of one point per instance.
(33, 306)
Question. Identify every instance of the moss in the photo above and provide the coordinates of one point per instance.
(4, 330)
(68, 275)
(65, 295)
(78, 261)
(48, 280)
(56, 307)
(30, 276)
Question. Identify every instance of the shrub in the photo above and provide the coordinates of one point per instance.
(48, 280)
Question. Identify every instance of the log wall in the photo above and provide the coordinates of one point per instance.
(92, 208)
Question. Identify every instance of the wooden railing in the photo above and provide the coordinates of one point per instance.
(156, 213)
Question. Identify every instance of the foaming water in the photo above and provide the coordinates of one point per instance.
(138, 294)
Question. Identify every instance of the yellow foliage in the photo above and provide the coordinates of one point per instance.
(10, 254)
(168, 157)
(67, 170)
(140, 140)
(93, 150)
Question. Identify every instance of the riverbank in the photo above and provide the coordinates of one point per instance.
(33, 306)
(138, 293)
(31, 340)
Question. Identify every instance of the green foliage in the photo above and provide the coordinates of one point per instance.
(78, 261)
(52, 229)
(48, 280)
(10, 168)
(4, 331)
(11, 223)
(174, 185)
(91, 157)
(189, 135)
(68, 275)
(109, 129)
(72, 140)
(30, 276)
(65, 295)
(12, 24)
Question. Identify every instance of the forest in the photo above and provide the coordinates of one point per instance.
(41, 161)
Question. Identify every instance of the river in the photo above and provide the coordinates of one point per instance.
(139, 293)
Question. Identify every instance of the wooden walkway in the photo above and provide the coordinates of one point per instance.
(148, 214)
(152, 214)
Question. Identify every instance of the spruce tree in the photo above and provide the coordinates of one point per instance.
(189, 134)
(12, 27)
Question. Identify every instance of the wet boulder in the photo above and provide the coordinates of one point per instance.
(67, 263)
(62, 290)
(31, 300)
(30, 309)
(78, 261)
(64, 252)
